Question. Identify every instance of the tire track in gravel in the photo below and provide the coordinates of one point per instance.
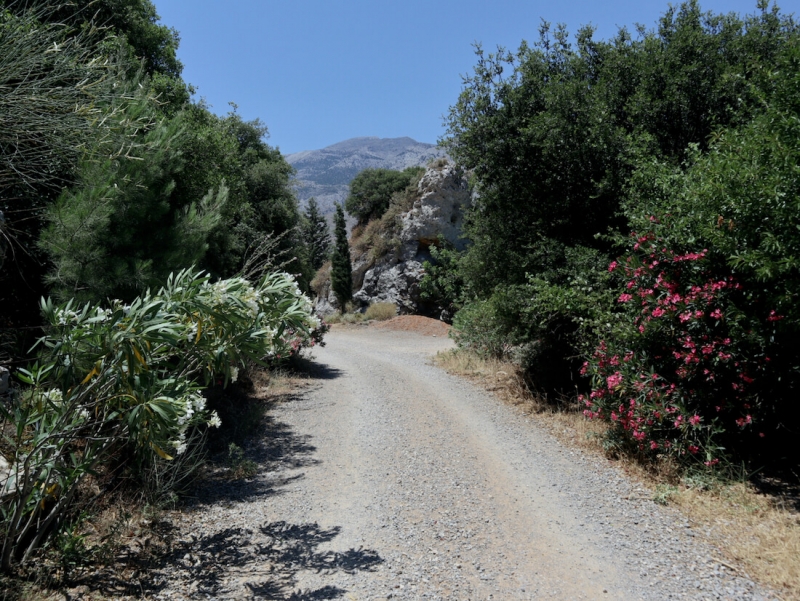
(418, 485)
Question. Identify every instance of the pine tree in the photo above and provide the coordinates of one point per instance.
(316, 235)
(341, 268)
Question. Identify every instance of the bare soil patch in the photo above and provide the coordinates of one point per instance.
(415, 323)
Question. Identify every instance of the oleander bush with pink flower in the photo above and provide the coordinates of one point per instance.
(682, 373)
(705, 363)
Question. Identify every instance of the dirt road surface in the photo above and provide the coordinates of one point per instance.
(390, 479)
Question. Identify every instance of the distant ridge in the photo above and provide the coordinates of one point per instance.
(326, 174)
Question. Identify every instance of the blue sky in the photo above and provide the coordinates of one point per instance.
(317, 72)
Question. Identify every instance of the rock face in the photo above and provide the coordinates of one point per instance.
(442, 197)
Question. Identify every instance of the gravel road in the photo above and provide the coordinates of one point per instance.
(390, 479)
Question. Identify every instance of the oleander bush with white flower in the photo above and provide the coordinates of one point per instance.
(128, 380)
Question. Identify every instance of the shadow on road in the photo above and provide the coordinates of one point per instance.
(319, 371)
(215, 561)
(239, 563)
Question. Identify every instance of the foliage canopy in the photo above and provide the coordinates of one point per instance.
(371, 191)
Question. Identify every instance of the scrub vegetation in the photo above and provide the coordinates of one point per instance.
(152, 254)
(633, 239)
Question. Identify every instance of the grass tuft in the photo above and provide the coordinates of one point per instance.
(381, 311)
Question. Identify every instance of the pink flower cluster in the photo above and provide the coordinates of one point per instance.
(680, 376)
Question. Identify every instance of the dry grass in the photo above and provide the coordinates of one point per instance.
(280, 382)
(438, 164)
(758, 535)
(754, 531)
(345, 318)
(321, 283)
(375, 312)
(381, 311)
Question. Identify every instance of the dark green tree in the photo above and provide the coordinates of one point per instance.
(122, 229)
(136, 20)
(553, 135)
(554, 131)
(341, 268)
(316, 235)
(372, 189)
(132, 24)
(261, 203)
(58, 110)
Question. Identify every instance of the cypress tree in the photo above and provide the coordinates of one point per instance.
(316, 234)
(341, 268)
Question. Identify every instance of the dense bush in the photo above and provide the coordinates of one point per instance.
(372, 189)
(110, 178)
(128, 378)
(677, 376)
(554, 131)
(686, 134)
(490, 327)
(706, 358)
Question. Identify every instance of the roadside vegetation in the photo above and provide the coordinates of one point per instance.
(632, 274)
(633, 236)
(153, 258)
(374, 312)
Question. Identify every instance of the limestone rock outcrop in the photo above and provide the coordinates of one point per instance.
(438, 211)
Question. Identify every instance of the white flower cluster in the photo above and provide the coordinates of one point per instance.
(54, 395)
(252, 298)
(66, 316)
(214, 421)
(102, 315)
(218, 292)
(188, 406)
(180, 443)
(118, 304)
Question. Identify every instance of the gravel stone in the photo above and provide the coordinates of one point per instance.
(390, 479)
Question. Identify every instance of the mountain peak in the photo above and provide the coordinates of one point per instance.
(326, 173)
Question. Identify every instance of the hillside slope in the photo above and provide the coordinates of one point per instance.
(326, 173)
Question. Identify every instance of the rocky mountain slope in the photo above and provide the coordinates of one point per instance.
(325, 174)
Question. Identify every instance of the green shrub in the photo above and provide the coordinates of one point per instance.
(127, 380)
(443, 282)
(381, 311)
(381, 236)
(490, 327)
(371, 191)
(542, 326)
(705, 364)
